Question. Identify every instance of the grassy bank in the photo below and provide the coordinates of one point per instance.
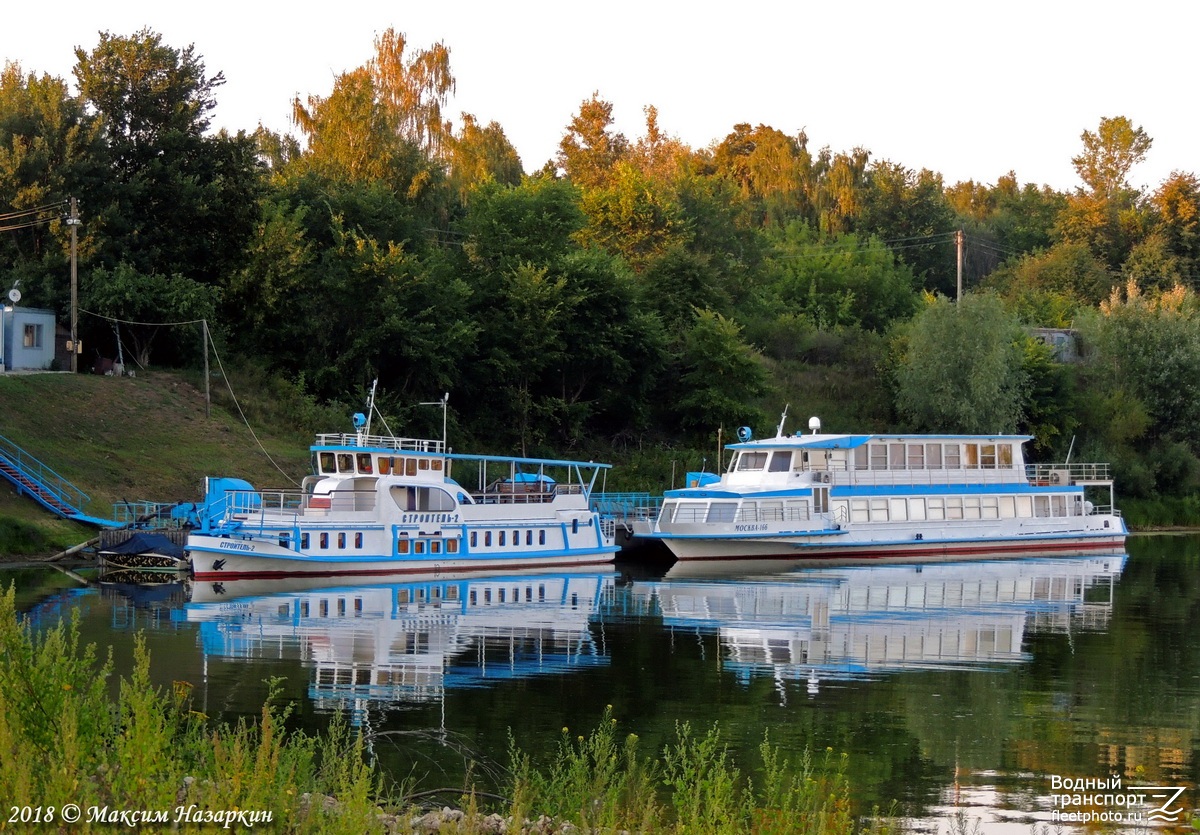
(144, 439)
(149, 754)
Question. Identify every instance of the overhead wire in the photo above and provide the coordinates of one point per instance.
(36, 210)
(241, 414)
(143, 324)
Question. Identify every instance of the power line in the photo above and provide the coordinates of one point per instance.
(144, 324)
(38, 210)
(28, 225)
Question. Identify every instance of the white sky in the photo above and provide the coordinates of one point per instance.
(970, 90)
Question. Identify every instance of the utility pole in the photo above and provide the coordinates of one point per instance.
(207, 394)
(958, 239)
(73, 222)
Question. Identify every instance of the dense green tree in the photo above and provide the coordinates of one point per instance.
(1046, 285)
(1025, 216)
(1176, 208)
(268, 295)
(1152, 264)
(720, 378)
(908, 211)
(177, 201)
(50, 149)
(534, 222)
(1150, 345)
(633, 215)
(613, 351)
(960, 367)
(1049, 405)
(126, 298)
(846, 282)
(679, 282)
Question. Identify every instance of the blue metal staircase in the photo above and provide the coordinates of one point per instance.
(46, 487)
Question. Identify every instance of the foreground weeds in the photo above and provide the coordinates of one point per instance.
(601, 783)
(148, 759)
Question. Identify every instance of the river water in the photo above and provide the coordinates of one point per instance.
(971, 694)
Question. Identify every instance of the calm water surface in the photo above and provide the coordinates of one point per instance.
(953, 687)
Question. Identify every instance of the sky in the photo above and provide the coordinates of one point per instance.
(970, 90)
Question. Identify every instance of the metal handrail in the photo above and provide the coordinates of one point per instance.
(1048, 473)
(46, 478)
(336, 439)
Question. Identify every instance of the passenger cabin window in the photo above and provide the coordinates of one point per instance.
(345, 462)
(780, 461)
(422, 499)
(1004, 453)
(328, 464)
(721, 512)
(385, 465)
(916, 456)
(971, 456)
(364, 462)
(952, 457)
(751, 461)
(410, 466)
(933, 456)
(878, 456)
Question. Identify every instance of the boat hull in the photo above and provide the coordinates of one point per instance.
(147, 561)
(222, 557)
(827, 548)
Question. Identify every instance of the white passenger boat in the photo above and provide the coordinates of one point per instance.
(887, 496)
(386, 505)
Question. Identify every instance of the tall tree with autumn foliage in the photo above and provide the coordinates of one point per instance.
(1107, 214)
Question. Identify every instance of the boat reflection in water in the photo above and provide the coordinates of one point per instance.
(386, 643)
(819, 624)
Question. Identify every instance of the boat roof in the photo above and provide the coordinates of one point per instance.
(826, 441)
(409, 446)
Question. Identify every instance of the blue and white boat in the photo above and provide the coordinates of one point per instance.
(386, 505)
(887, 496)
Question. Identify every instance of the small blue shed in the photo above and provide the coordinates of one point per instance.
(27, 338)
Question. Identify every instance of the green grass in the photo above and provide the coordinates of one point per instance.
(147, 439)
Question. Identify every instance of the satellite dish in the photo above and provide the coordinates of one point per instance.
(14, 295)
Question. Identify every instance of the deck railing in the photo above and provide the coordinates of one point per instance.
(1068, 473)
(627, 507)
(381, 441)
